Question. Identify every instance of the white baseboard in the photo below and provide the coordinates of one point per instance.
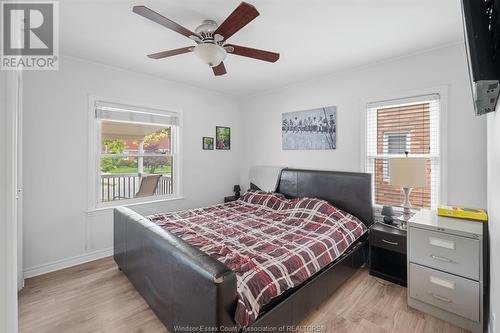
(67, 262)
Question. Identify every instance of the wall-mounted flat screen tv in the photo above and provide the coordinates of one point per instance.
(482, 36)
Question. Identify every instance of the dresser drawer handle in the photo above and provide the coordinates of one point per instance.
(389, 242)
(441, 258)
(440, 298)
(444, 243)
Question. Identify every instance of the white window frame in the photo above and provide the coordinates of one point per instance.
(94, 143)
(442, 91)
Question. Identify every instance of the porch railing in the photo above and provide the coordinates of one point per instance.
(126, 185)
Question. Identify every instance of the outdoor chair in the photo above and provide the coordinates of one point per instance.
(147, 188)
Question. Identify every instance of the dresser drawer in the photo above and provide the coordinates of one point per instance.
(454, 254)
(446, 291)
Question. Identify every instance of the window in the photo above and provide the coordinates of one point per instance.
(137, 154)
(394, 144)
(395, 128)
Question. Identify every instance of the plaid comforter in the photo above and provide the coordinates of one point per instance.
(272, 244)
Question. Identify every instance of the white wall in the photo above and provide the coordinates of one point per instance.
(58, 231)
(349, 91)
(494, 215)
(57, 228)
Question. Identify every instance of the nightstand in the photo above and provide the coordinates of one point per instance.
(230, 198)
(447, 265)
(388, 253)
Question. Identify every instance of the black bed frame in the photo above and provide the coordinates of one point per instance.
(191, 291)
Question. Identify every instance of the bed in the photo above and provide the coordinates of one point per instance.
(190, 290)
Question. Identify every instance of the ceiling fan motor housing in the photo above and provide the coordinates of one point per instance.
(206, 29)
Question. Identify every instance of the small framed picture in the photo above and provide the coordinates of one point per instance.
(222, 138)
(208, 143)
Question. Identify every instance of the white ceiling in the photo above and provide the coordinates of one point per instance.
(314, 37)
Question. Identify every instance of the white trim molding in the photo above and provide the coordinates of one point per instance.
(11, 97)
(67, 262)
(143, 204)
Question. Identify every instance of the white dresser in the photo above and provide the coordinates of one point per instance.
(445, 268)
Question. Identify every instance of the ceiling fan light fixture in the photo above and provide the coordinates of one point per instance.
(211, 54)
(210, 37)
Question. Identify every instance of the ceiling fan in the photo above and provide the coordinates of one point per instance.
(210, 38)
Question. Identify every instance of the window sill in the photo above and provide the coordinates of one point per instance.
(101, 210)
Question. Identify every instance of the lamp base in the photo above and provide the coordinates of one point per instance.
(398, 223)
(406, 208)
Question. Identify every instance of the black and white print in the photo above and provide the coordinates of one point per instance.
(314, 129)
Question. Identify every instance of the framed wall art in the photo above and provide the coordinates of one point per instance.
(208, 143)
(314, 129)
(222, 138)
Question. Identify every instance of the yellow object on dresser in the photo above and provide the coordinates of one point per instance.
(461, 212)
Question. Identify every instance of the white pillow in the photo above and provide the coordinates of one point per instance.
(265, 177)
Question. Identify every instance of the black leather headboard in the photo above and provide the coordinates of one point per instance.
(349, 191)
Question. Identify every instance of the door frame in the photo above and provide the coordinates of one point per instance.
(12, 93)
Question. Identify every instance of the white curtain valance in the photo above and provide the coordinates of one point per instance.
(121, 112)
(403, 101)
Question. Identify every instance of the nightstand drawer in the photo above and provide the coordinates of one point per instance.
(450, 253)
(389, 241)
(446, 291)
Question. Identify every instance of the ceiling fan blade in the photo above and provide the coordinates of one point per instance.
(240, 17)
(219, 69)
(252, 53)
(160, 19)
(169, 53)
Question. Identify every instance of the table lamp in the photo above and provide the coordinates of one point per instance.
(407, 173)
(237, 189)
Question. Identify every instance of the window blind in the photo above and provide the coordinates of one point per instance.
(121, 112)
(395, 127)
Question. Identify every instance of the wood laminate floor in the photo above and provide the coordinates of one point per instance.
(97, 297)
